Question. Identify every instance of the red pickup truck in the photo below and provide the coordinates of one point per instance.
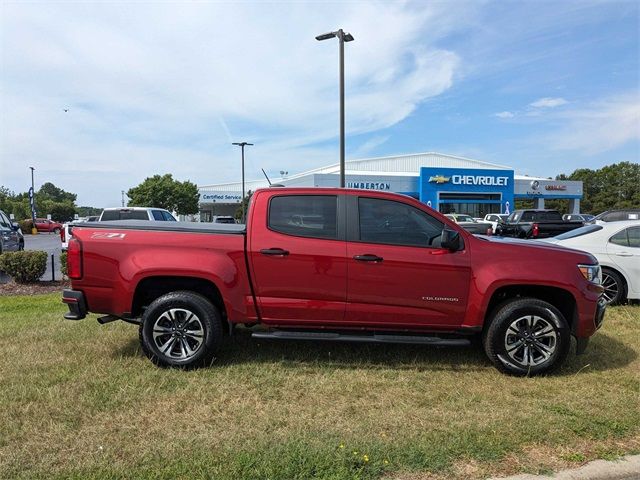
(340, 265)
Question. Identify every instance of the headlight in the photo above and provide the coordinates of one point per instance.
(592, 273)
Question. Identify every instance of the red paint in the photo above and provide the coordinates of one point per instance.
(319, 284)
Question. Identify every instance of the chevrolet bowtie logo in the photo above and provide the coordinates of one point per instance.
(439, 179)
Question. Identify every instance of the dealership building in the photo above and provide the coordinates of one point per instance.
(445, 183)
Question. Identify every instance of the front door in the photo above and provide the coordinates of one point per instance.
(298, 260)
(399, 276)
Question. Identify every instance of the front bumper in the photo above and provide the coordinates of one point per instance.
(598, 318)
(76, 303)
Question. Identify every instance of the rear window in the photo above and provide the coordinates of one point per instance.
(578, 232)
(541, 216)
(225, 220)
(108, 215)
(304, 215)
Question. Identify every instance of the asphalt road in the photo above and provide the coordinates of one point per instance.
(50, 243)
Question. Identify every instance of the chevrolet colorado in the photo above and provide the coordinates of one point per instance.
(340, 265)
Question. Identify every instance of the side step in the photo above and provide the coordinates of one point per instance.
(373, 338)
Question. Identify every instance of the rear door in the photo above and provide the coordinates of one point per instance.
(623, 249)
(297, 253)
(399, 276)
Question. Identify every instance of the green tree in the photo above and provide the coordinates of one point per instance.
(88, 211)
(162, 191)
(245, 201)
(50, 192)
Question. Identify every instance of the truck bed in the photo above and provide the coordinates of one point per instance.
(185, 227)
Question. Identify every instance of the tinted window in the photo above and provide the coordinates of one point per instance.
(4, 221)
(125, 215)
(168, 217)
(157, 215)
(395, 223)
(225, 220)
(304, 215)
(634, 237)
(620, 238)
(578, 232)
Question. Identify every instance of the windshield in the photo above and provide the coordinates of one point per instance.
(578, 232)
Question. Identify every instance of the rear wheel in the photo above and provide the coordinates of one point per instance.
(181, 329)
(614, 287)
(527, 336)
(56, 231)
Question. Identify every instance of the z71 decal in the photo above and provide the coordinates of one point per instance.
(108, 235)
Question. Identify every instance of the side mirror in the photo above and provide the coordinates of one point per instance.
(450, 240)
(15, 227)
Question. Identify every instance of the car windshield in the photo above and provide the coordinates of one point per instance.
(578, 232)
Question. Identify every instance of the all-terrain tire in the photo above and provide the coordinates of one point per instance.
(527, 337)
(181, 329)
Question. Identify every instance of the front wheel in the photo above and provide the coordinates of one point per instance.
(56, 231)
(181, 329)
(614, 288)
(527, 336)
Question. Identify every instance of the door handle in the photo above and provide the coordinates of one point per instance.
(274, 251)
(368, 258)
(624, 254)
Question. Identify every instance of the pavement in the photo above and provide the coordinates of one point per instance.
(627, 468)
(48, 242)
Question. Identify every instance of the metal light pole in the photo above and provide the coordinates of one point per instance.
(122, 191)
(342, 37)
(32, 202)
(242, 145)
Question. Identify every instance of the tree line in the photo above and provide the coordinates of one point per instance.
(159, 191)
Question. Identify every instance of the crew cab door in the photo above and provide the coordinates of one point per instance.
(297, 252)
(399, 276)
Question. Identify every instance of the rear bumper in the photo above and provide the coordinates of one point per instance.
(76, 303)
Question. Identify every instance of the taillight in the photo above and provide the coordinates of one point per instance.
(62, 235)
(74, 259)
(535, 230)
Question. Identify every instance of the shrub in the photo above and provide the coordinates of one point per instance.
(63, 263)
(26, 226)
(24, 267)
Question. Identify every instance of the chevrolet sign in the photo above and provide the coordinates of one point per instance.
(479, 180)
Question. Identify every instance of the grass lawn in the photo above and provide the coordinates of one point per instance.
(78, 400)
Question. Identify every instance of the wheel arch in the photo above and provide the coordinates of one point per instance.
(560, 298)
(150, 288)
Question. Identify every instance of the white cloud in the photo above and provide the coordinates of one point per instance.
(504, 114)
(164, 87)
(548, 102)
(600, 126)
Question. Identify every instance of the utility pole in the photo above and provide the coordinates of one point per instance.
(122, 197)
(242, 145)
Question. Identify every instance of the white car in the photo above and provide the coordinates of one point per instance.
(495, 218)
(616, 245)
(136, 213)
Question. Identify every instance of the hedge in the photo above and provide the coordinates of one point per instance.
(26, 226)
(63, 263)
(24, 267)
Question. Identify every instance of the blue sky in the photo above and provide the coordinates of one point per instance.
(546, 87)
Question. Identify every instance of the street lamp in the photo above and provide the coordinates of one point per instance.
(32, 202)
(242, 145)
(342, 37)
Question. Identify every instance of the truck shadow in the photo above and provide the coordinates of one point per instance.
(604, 353)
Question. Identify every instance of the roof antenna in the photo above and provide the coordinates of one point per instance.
(265, 176)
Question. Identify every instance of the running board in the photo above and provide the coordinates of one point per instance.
(375, 338)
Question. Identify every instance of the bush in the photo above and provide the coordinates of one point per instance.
(26, 226)
(24, 267)
(63, 263)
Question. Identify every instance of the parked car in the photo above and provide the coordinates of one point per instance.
(495, 219)
(469, 223)
(117, 213)
(136, 213)
(48, 226)
(223, 219)
(413, 276)
(535, 224)
(616, 245)
(11, 238)
(617, 215)
(577, 217)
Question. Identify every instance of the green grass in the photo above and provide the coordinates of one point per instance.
(78, 400)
